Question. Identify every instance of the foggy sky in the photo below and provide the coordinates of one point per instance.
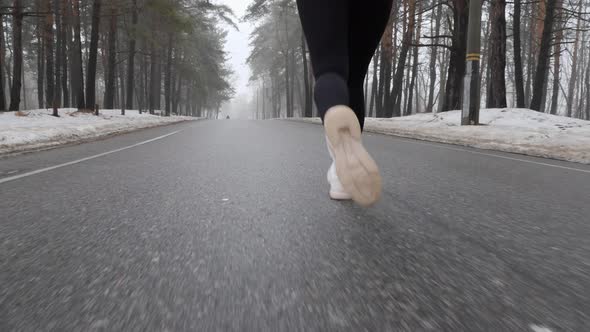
(237, 46)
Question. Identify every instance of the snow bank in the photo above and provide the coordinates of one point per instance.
(37, 129)
(511, 130)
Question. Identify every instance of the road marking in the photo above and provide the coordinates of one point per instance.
(443, 146)
(42, 170)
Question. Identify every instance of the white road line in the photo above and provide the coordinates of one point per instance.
(442, 145)
(42, 170)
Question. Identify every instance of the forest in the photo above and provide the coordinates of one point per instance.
(535, 54)
(168, 56)
(149, 55)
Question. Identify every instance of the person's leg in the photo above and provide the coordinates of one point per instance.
(325, 25)
(368, 20)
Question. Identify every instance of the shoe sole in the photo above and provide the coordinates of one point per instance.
(356, 170)
(337, 196)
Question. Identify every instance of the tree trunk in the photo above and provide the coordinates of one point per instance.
(307, 108)
(574, 76)
(545, 87)
(40, 66)
(406, 82)
(71, 55)
(510, 96)
(456, 69)
(278, 99)
(2, 95)
(263, 99)
(122, 87)
(386, 102)
(384, 75)
(274, 106)
(109, 102)
(432, 64)
(582, 88)
(415, 53)
(168, 77)
(485, 57)
(49, 74)
(411, 86)
(183, 101)
(58, 53)
(287, 82)
(496, 97)
(518, 75)
(531, 48)
(131, 61)
(177, 101)
(7, 64)
(24, 90)
(93, 56)
(396, 91)
(543, 58)
(63, 30)
(142, 83)
(153, 78)
(556, 68)
(77, 70)
(17, 56)
(443, 83)
(173, 86)
(158, 87)
(116, 89)
(556, 74)
(371, 109)
(103, 58)
(293, 81)
(146, 85)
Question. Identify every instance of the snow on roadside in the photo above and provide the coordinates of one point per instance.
(510, 130)
(37, 129)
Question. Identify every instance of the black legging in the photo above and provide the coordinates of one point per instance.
(342, 36)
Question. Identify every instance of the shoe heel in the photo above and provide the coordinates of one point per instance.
(338, 119)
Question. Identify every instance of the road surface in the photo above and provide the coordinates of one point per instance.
(227, 226)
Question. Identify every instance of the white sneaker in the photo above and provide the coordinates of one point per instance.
(356, 171)
(336, 189)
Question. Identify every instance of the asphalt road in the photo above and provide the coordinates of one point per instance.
(227, 226)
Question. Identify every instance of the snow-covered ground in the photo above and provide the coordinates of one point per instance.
(37, 129)
(511, 130)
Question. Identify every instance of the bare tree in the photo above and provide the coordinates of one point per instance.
(17, 40)
(93, 56)
(109, 102)
(496, 97)
(539, 82)
(456, 69)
